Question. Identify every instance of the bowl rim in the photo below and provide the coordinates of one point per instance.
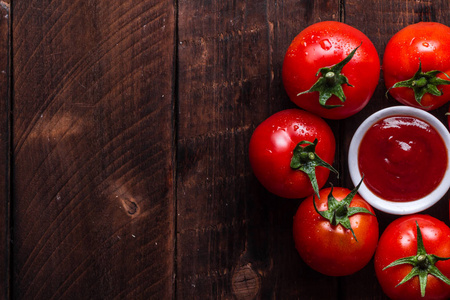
(392, 207)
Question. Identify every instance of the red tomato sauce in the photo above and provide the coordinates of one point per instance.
(402, 158)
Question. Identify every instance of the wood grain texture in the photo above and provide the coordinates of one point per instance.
(215, 39)
(93, 150)
(380, 20)
(129, 124)
(234, 238)
(5, 80)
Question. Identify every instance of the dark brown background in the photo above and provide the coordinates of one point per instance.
(123, 159)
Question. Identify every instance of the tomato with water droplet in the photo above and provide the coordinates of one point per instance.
(342, 244)
(416, 65)
(312, 80)
(411, 258)
(274, 143)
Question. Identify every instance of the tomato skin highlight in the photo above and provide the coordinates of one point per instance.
(424, 43)
(325, 44)
(332, 250)
(271, 149)
(399, 240)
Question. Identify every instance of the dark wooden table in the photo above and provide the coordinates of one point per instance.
(124, 131)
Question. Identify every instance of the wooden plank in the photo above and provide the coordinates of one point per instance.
(4, 147)
(380, 20)
(234, 239)
(93, 149)
(97, 202)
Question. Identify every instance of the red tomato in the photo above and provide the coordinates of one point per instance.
(323, 45)
(400, 240)
(272, 145)
(333, 249)
(422, 45)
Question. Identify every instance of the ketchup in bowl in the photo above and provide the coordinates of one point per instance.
(403, 153)
(403, 158)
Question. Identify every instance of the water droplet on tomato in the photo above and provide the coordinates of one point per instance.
(425, 44)
(296, 127)
(325, 44)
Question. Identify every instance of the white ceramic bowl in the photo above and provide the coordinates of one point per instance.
(392, 207)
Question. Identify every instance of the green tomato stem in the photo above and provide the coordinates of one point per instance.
(422, 263)
(339, 212)
(423, 83)
(330, 82)
(305, 159)
(330, 78)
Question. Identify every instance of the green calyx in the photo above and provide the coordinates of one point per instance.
(422, 83)
(339, 212)
(330, 82)
(305, 159)
(423, 264)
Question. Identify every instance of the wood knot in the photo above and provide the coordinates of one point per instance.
(246, 283)
(129, 206)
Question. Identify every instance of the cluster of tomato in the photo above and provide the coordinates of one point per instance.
(331, 71)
